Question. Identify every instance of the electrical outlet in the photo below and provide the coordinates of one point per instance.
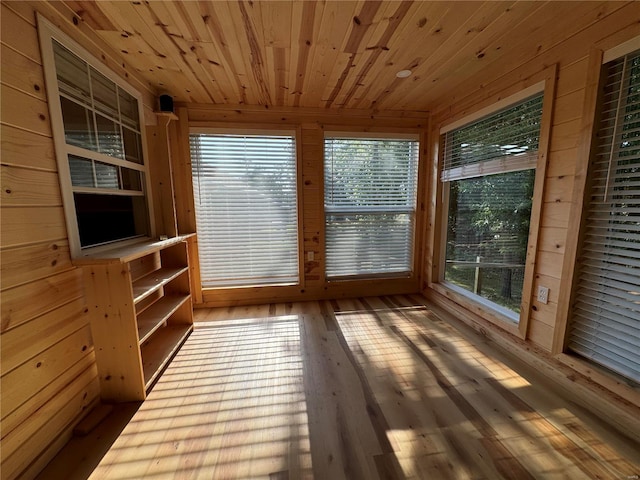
(310, 256)
(543, 294)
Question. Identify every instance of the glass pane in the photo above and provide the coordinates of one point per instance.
(132, 145)
(107, 218)
(131, 179)
(109, 139)
(78, 124)
(369, 244)
(81, 171)
(487, 235)
(104, 94)
(369, 172)
(106, 175)
(512, 132)
(129, 110)
(72, 73)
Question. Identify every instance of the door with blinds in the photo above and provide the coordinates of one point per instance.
(245, 193)
(605, 321)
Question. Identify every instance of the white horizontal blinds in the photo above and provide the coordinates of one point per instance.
(490, 169)
(370, 196)
(246, 208)
(502, 142)
(605, 324)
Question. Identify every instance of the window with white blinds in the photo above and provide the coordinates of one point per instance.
(502, 142)
(245, 194)
(369, 199)
(489, 173)
(605, 323)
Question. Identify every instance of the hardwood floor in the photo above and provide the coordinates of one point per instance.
(356, 389)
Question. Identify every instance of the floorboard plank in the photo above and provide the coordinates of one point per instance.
(365, 388)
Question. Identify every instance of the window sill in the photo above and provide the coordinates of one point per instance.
(365, 277)
(610, 380)
(485, 310)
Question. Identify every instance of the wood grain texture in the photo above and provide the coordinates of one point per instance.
(26, 149)
(367, 388)
(46, 424)
(18, 33)
(52, 292)
(332, 55)
(22, 73)
(26, 187)
(48, 373)
(160, 171)
(25, 264)
(37, 335)
(605, 25)
(29, 225)
(24, 111)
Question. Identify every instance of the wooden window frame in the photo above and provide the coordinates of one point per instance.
(47, 33)
(597, 59)
(545, 83)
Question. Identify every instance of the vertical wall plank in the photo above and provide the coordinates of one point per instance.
(160, 171)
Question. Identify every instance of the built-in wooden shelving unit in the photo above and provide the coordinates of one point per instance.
(141, 312)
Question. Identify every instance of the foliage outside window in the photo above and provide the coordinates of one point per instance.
(489, 170)
(99, 147)
(370, 196)
(245, 191)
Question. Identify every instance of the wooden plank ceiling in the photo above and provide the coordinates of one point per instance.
(333, 54)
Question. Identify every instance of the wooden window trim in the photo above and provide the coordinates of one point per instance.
(546, 83)
(587, 143)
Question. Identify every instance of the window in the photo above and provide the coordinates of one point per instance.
(605, 321)
(246, 208)
(98, 136)
(369, 201)
(488, 175)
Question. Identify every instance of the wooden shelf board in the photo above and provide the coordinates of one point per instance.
(160, 350)
(127, 253)
(158, 313)
(148, 284)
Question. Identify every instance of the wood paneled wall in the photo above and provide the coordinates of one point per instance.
(48, 373)
(571, 55)
(310, 125)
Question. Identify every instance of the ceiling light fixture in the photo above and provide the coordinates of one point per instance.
(404, 73)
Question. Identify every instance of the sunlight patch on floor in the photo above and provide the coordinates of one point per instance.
(230, 405)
